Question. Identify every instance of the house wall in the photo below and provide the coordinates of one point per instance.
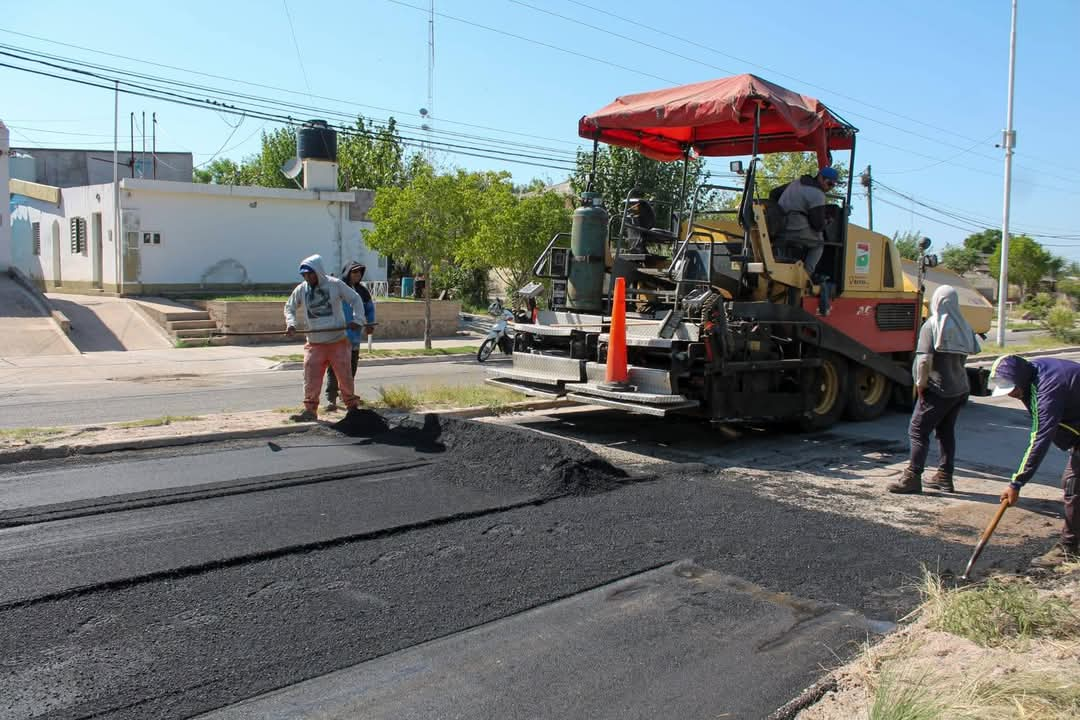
(188, 238)
(56, 267)
(5, 214)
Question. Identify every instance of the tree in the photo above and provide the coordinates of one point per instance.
(619, 170)
(907, 243)
(372, 156)
(778, 169)
(985, 242)
(223, 171)
(1028, 262)
(512, 231)
(960, 259)
(423, 223)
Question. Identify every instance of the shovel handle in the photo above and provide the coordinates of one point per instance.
(985, 537)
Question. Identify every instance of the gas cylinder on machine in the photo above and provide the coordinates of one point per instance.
(588, 241)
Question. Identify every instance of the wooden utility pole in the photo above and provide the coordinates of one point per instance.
(868, 183)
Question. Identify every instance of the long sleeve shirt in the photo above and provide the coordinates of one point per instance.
(1053, 400)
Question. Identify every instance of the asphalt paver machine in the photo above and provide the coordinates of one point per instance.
(718, 322)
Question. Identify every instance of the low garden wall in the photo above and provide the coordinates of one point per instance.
(396, 320)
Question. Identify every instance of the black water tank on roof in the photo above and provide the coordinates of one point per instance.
(316, 141)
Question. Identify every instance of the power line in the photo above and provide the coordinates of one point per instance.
(296, 45)
(275, 88)
(263, 113)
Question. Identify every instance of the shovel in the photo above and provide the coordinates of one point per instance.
(983, 540)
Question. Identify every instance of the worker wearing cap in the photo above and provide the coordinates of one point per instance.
(803, 203)
(321, 297)
(1050, 390)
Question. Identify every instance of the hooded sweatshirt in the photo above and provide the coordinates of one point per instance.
(1050, 390)
(321, 305)
(365, 297)
(945, 341)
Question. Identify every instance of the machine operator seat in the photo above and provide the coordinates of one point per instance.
(639, 226)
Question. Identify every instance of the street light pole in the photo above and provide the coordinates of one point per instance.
(1009, 142)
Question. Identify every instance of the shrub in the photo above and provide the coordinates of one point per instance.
(1060, 321)
(1037, 306)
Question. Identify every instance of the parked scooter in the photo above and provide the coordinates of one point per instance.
(501, 334)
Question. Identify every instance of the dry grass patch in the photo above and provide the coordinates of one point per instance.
(28, 435)
(444, 397)
(1008, 648)
(155, 422)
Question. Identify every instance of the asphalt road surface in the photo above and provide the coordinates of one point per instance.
(51, 404)
(487, 572)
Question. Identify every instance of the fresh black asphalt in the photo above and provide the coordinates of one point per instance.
(214, 634)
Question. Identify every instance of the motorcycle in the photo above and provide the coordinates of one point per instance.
(501, 334)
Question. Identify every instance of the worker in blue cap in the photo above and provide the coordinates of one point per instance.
(1050, 390)
(803, 204)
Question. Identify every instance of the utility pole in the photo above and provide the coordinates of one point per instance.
(1008, 142)
(153, 143)
(142, 160)
(116, 189)
(868, 182)
(131, 158)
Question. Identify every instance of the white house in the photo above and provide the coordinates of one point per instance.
(5, 215)
(180, 237)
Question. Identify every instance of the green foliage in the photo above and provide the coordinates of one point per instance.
(512, 230)
(781, 168)
(997, 613)
(1070, 287)
(1061, 322)
(425, 224)
(223, 171)
(1028, 262)
(907, 243)
(897, 699)
(1038, 306)
(985, 242)
(960, 259)
(619, 170)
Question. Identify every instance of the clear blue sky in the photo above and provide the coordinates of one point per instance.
(924, 81)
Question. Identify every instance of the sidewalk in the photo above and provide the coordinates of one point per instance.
(214, 360)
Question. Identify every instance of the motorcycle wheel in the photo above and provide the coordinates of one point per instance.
(506, 345)
(485, 350)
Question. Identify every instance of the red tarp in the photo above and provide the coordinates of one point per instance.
(717, 118)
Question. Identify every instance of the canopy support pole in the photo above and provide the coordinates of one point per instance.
(592, 172)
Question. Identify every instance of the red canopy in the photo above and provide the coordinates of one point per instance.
(717, 118)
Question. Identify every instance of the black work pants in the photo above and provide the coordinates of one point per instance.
(331, 378)
(934, 413)
(1070, 482)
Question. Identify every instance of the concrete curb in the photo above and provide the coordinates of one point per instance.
(297, 365)
(39, 452)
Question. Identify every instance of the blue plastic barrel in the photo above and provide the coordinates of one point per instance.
(407, 287)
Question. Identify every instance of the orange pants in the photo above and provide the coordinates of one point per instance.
(317, 356)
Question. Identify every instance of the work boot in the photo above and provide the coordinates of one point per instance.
(942, 482)
(304, 415)
(910, 483)
(1057, 555)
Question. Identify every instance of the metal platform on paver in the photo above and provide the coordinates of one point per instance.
(680, 641)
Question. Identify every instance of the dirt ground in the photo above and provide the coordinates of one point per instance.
(963, 678)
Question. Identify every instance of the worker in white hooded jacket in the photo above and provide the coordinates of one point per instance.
(320, 298)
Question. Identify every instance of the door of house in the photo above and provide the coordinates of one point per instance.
(132, 266)
(57, 280)
(95, 249)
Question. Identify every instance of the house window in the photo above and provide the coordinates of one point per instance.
(78, 236)
(35, 231)
(151, 238)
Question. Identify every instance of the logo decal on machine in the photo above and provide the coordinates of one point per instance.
(862, 258)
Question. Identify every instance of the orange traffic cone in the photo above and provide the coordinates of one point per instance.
(616, 355)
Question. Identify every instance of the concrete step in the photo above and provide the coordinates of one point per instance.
(196, 333)
(190, 325)
(181, 316)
